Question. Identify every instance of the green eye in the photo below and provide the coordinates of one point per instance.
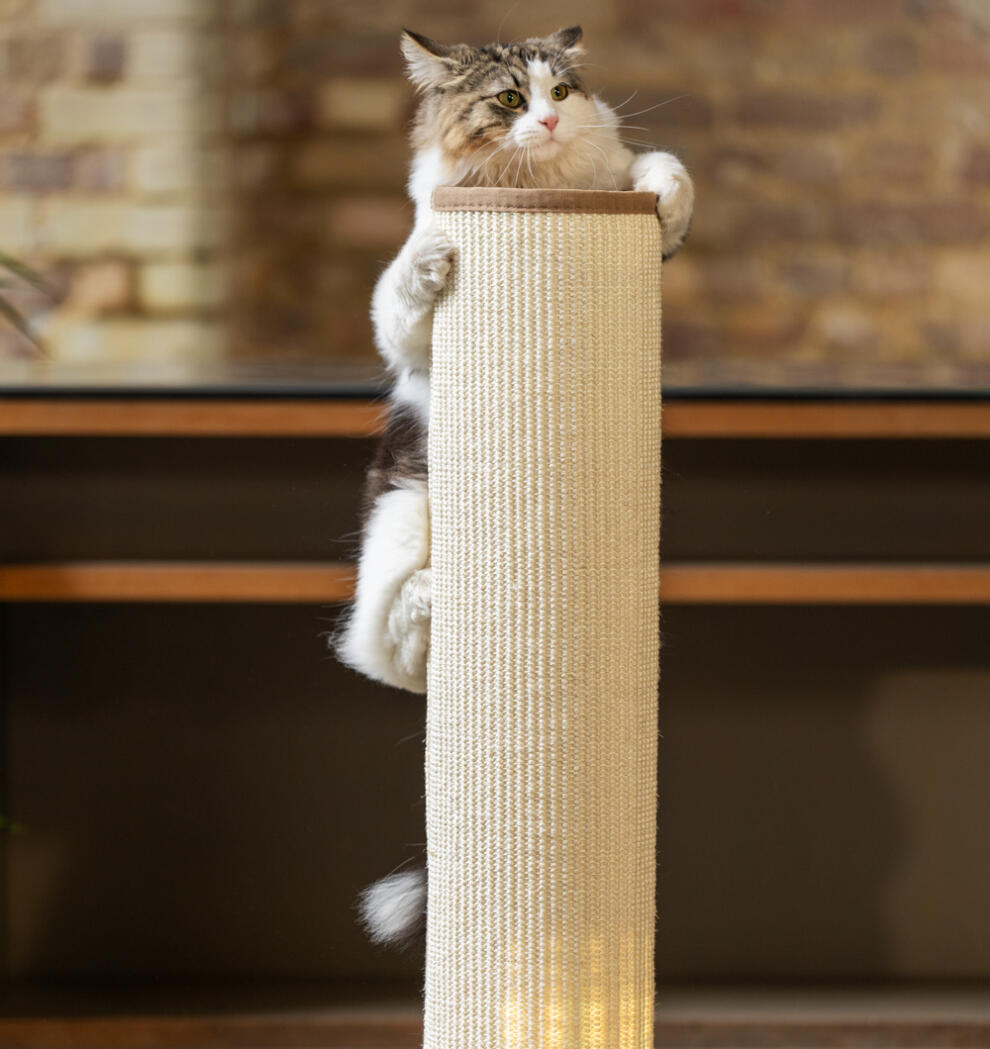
(559, 93)
(512, 99)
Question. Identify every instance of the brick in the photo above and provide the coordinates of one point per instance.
(83, 115)
(691, 339)
(736, 166)
(892, 275)
(167, 168)
(976, 167)
(810, 112)
(9, 9)
(257, 165)
(814, 277)
(961, 53)
(38, 171)
(77, 227)
(813, 163)
(165, 54)
(940, 337)
(845, 327)
(363, 104)
(783, 222)
(265, 12)
(101, 287)
(165, 341)
(113, 12)
(758, 327)
(17, 223)
(370, 222)
(378, 163)
(965, 339)
(257, 53)
(901, 162)
(917, 222)
(676, 106)
(639, 13)
(16, 110)
(346, 56)
(841, 12)
(181, 286)
(732, 277)
(34, 57)
(974, 338)
(891, 54)
(682, 284)
(154, 229)
(99, 170)
(964, 277)
(269, 112)
(103, 58)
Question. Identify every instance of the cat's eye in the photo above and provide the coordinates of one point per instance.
(559, 93)
(512, 99)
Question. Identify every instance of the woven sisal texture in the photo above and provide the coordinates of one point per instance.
(541, 723)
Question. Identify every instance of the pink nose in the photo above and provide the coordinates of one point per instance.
(550, 122)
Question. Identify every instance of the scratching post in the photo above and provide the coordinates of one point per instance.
(542, 700)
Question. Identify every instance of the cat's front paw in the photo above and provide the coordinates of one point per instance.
(431, 257)
(664, 175)
(409, 629)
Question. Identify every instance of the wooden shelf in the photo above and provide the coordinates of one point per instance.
(695, 1017)
(826, 419)
(167, 581)
(316, 417)
(111, 417)
(329, 582)
(811, 584)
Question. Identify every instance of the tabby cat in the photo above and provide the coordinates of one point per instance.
(515, 114)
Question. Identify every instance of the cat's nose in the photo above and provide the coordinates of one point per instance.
(550, 122)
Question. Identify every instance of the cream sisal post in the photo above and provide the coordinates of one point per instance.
(542, 709)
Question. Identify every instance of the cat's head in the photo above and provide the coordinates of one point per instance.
(500, 107)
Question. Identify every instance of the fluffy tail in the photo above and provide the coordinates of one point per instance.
(393, 909)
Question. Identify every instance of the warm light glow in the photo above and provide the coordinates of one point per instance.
(612, 1014)
(513, 1024)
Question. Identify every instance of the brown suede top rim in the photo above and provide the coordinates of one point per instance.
(589, 201)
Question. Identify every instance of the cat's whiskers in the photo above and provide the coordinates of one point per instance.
(649, 109)
(616, 127)
(522, 156)
(508, 164)
(484, 156)
(626, 101)
(608, 166)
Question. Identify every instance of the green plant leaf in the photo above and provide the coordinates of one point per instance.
(28, 275)
(15, 318)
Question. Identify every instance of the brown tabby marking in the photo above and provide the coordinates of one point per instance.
(460, 112)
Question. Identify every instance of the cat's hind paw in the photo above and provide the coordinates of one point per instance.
(664, 175)
(409, 630)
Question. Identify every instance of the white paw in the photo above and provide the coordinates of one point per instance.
(409, 629)
(432, 256)
(664, 175)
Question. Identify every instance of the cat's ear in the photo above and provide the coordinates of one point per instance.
(567, 39)
(430, 63)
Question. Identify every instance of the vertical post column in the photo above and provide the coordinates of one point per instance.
(542, 701)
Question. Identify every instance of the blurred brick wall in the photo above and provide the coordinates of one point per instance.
(111, 175)
(841, 151)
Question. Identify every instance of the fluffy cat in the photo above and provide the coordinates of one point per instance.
(515, 114)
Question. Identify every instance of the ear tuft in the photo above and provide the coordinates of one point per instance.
(567, 39)
(427, 60)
